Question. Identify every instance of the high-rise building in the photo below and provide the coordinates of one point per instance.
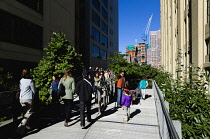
(98, 30)
(154, 52)
(185, 34)
(137, 53)
(27, 26)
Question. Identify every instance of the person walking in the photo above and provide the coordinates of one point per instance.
(84, 90)
(142, 86)
(54, 89)
(126, 102)
(96, 83)
(68, 81)
(121, 84)
(27, 91)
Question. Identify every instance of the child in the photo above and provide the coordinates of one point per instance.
(126, 102)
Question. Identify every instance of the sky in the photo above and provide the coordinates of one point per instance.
(133, 18)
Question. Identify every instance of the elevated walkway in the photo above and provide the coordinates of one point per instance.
(108, 125)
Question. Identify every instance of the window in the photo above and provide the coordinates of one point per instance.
(95, 51)
(36, 5)
(111, 31)
(104, 41)
(104, 14)
(95, 18)
(104, 27)
(110, 8)
(111, 43)
(103, 54)
(96, 4)
(105, 2)
(110, 19)
(20, 31)
(95, 34)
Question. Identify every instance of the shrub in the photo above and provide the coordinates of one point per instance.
(59, 57)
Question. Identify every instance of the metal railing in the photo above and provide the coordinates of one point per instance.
(167, 129)
(9, 105)
(105, 94)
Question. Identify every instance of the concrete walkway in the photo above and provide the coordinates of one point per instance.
(109, 125)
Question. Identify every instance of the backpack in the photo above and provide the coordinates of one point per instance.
(61, 90)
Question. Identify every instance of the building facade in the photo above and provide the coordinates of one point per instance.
(185, 34)
(154, 52)
(137, 53)
(98, 31)
(27, 26)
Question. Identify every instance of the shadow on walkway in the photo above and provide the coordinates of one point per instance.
(137, 111)
(49, 117)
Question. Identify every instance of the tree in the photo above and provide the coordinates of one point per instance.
(133, 70)
(59, 57)
(7, 81)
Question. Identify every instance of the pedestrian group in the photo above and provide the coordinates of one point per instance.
(93, 81)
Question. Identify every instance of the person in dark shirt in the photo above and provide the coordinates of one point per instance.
(55, 82)
(84, 90)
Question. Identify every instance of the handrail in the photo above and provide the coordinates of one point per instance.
(169, 122)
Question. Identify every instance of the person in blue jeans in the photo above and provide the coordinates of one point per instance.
(142, 86)
(121, 84)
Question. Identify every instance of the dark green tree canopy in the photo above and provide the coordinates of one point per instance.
(59, 57)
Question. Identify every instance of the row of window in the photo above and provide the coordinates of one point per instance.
(97, 53)
(36, 5)
(96, 20)
(96, 36)
(20, 31)
(96, 4)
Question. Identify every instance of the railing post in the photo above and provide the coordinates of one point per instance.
(178, 127)
(167, 128)
(14, 106)
(99, 101)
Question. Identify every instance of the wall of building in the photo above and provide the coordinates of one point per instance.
(24, 42)
(38, 19)
(183, 38)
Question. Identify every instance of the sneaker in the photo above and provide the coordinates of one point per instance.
(82, 127)
(125, 118)
(119, 106)
(65, 123)
(89, 121)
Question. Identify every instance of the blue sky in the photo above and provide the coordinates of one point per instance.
(133, 19)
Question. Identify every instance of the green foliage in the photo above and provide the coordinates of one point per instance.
(188, 102)
(132, 70)
(187, 97)
(59, 57)
(6, 81)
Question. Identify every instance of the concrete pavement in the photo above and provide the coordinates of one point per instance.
(109, 125)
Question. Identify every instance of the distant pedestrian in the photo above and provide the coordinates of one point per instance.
(142, 86)
(92, 74)
(126, 102)
(96, 83)
(106, 75)
(84, 90)
(121, 84)
(68, 81)
(54, 89)
(27, 91)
